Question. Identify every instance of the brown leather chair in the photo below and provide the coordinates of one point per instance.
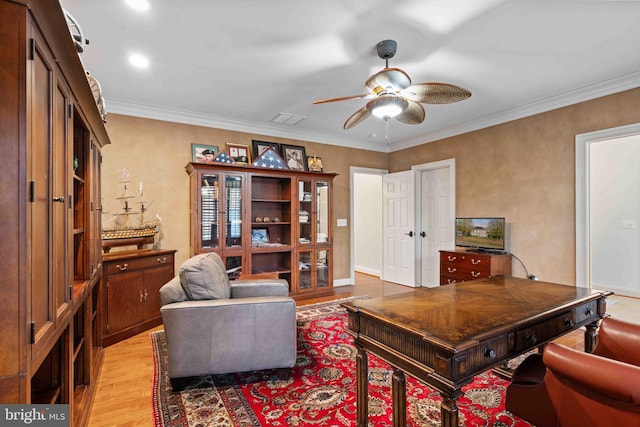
(565, 387)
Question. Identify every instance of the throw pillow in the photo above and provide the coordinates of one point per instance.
(204, 277)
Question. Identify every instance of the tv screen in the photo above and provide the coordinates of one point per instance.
(480, 233)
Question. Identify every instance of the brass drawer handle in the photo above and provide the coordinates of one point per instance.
(474, 274)
(122, 267)
(162, 260)
(451, 270)
(475, 261)
(450, 281)
(452, 258)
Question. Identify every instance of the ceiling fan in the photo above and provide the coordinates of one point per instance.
(393, 96)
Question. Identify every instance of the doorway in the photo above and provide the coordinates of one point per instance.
(608, 210)
(434, 213)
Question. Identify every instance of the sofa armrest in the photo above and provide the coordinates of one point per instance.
(619, 340)
(259, 288)
(611, 378)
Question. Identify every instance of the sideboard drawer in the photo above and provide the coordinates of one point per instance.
(123, 265)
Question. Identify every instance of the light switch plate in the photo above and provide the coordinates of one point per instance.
(342, 222)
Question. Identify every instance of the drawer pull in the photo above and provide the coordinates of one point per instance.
(589, 311)
(450, 281)
(474, 274)
(122, 267)
(532, 338)
(162, 260)
(452, 258)
(569, 323)
(489, 353)
(451, 270)
(475, 261)
(141, 295)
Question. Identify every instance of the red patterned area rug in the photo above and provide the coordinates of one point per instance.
(319, 391)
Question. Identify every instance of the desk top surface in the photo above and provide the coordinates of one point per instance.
(475, 309)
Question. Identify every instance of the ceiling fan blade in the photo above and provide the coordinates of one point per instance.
(357, 117)
(436, 93)
(343, 98)
(413, 114)
(394, 78)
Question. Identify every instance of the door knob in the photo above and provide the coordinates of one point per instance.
(410, 234)
(423, 234)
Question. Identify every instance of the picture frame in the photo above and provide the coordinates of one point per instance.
(259, 235)
(260, 147)
(203, 153)
(238, 151)
(314, 163)
(294, 156)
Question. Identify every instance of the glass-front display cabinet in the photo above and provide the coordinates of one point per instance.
(217, 211)
(265, 223)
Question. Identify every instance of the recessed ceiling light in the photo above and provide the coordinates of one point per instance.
(141, 5)
(138, 61)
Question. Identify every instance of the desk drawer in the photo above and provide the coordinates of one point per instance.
(123, 265)
(544, 331)
(465, 272)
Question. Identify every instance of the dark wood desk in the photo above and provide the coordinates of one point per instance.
(445, 336)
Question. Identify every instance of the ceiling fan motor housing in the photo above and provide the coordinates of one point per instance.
(387, 49)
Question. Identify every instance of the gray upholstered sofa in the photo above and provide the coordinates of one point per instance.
(215, 326)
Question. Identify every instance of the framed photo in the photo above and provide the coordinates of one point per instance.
(239, 151)
(259, 147)
(294, 156)
(314, 163)
(259, 235)
(203, 153)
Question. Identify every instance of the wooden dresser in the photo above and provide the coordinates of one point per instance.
(132, 281)
(460, 265)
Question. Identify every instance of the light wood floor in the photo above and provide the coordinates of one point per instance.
(123, 394)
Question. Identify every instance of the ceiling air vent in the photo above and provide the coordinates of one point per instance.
(288, 119)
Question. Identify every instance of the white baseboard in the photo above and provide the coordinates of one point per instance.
(367, 270)
(343, 282)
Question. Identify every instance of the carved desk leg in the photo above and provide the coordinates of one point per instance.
(449, 411)
(399, 398)
(362, 387)
(590, 337)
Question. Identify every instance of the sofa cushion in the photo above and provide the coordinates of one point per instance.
(204, 277)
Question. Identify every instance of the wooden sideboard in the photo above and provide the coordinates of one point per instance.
(460, 265)
(132, 281)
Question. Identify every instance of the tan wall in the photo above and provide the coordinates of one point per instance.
(156, 152)
(524, 170)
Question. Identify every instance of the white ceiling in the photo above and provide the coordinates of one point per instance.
(237, 64)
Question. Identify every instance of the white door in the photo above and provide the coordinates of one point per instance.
(436, 221)
(398, 217)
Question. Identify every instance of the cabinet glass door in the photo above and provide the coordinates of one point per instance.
(322, 268)
(322, 211)
(209, 208)
(305, 210)
(305, 269)
(233, 210)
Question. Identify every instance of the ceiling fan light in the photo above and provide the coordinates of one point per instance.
(387, 106)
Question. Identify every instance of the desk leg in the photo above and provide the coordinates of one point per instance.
(399, 398)
(590, 337)
(362, 388)
(449, 412)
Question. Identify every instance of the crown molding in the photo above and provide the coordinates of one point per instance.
(586, 93)
(117, 106)
(608, 87)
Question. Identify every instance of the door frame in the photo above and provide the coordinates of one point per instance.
(449, 164)
(583, 191)
(352, 171)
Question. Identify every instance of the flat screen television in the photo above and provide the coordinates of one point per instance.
(482, 234)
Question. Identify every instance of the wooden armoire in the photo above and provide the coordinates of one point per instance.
(51, 134)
